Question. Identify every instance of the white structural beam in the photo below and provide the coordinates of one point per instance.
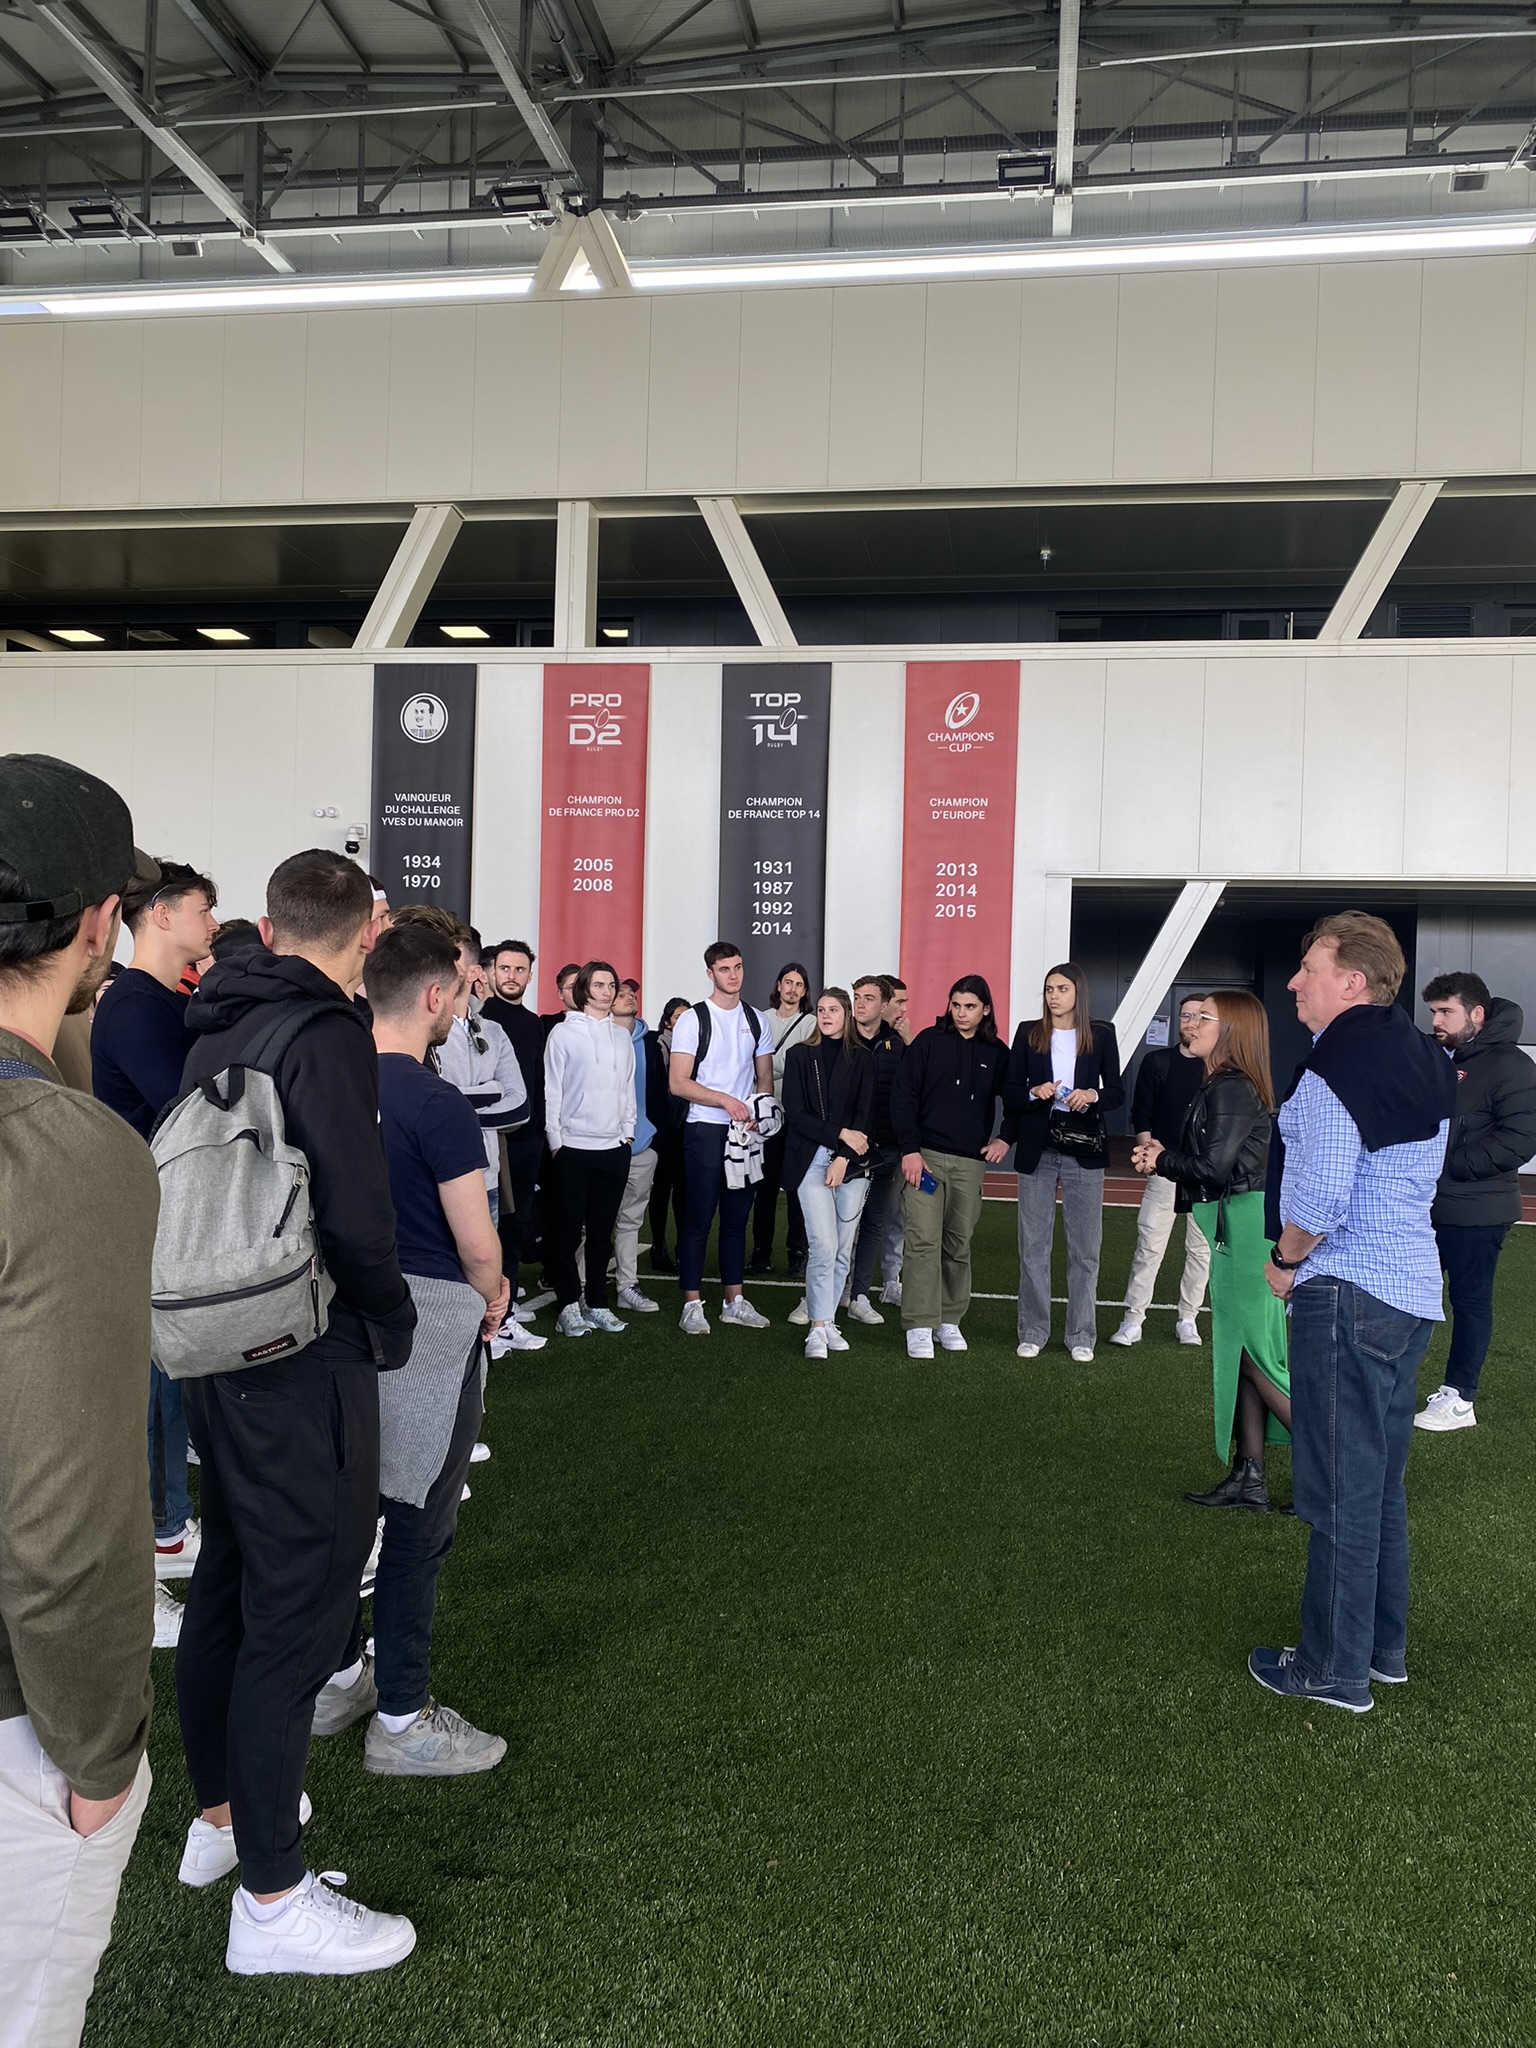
(103, 68)
(576, 574)
(537, 122)
(1066, 114)
(1381, 560)
(582, 255)
(744, 565)
(1169, 950)
(410, 578)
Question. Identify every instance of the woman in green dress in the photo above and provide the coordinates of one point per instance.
(1218, 1168)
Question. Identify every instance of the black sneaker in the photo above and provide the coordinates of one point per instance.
(797, 1265)
(662, 1260)
(760, 1263)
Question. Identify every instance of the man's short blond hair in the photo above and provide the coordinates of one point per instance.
(434, 918)
(1362, 944)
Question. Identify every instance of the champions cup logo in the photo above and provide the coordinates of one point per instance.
(595, 717)
(424, 718)
(959, 735)
(961, 710)
(776, 721)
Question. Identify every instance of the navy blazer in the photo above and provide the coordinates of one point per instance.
(1025, 1120)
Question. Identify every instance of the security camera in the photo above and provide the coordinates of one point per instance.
(356, 834)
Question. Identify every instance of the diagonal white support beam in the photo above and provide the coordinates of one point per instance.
(410, 578)
(103, 68)
(1381, 560)
(1169, 950)
(582, 254)
(1066, 114)
(504, 58)
(576, 574)
(744, 565)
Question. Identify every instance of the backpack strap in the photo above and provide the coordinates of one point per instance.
(756, 1024)
(706, 1032)
(261, 1058)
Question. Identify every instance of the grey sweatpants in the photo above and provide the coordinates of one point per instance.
(1082, 1206)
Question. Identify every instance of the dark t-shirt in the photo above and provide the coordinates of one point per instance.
(430, 1135)
(139, 1042)
(1182, 1082)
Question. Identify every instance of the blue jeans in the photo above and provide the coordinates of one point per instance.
(1469, 1253)
(168, 1495)
(1354, 1364)
(831, 1219)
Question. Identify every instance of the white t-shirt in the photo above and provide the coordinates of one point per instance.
(1064, 1061)
(728, 1065)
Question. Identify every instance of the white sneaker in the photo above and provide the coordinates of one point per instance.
(371, 1568)
(168, 1619)
(1187, 1332)
(919, 1343)
(742, 1314)
(862, 1310)
(952, 1338)
(1445, 1409)
(1029, 1351)
(1081, 1354)
(890, 1294)
(464, 1493)
(800, 1314)
(480, 1455)
(816, 1343)
(637, 1303)
(176, 1555)
(571, 1322)
(516, 1337)
(318, 1934)
(210, 1852)
(693, 1322)
(1129, 1333)
(845, 1297)
(836, 1341)
(192, 1457)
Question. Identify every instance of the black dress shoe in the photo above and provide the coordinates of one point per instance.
(662, 1260)
(760, 1262)
(797, 1265)
(1243, 1487)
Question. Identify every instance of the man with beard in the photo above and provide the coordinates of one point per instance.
(1493, 1135)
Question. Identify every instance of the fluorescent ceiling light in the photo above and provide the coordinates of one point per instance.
(255, 298)
(1052, 259)
(223, 633)
(614, 632)
(464, 632)
(77, 636)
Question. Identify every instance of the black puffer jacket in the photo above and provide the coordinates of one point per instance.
(1493, 1132)
(1224, 1146)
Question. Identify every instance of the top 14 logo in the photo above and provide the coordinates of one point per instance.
(774, 718)
(595, 717)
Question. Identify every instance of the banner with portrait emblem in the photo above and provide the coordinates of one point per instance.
(423, 783)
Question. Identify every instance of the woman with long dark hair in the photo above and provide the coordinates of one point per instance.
(790, 1022)
(943, 1104)
(829, 1087)
(589, 1120)
(1063, 1074)
(667, 1189)
(1218, 1169)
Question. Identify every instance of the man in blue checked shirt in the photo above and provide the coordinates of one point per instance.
(1363, 1135)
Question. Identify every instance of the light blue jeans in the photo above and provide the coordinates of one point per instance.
(831, 1225)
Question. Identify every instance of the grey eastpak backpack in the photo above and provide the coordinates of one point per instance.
(237, 1276)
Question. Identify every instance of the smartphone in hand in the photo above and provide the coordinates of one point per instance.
(927, 1185)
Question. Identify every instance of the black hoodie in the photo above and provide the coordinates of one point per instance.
(328, 1084)
(1493, 1132)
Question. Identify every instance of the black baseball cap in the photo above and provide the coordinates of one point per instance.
(67, 834)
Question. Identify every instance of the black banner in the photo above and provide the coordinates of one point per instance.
(423, 784)
(773, 817)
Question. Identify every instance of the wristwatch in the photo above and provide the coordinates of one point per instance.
(1285, 1265)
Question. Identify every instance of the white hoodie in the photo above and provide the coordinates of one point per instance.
(589, 1084)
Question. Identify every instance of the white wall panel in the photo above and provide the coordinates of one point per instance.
(1521, 855)
(332, 751)
(682, 831)
(509, 740)
(94, 715)
(786, 390)
(516, 451)
(1368, 318)
(1352, 784)
(879, 334)
(183, 415)
(102, 412)
(31, 412)
(1472, 365)
(431, 402)
(1061, 760)
(864, 819)
(1251, 766)
(1069, 341)
(265, 358)
(604, 391)
(1165, 379)
(971, 383)
(695, 385)
(255, 773)
(1455, 811)
(172, 772)
(1266, 372)
(346, 411)
(1154, 717)
(28, 712)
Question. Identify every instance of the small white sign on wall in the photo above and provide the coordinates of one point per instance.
(1157, 1031)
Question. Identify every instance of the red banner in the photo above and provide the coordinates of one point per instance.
(592, 838)
(957, 838)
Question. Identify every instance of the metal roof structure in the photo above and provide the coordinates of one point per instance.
(194, 139)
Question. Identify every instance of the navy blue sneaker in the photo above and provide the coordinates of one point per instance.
(1276, 1671)
(1380, 1675)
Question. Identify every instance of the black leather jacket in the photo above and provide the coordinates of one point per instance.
(1224, 1146)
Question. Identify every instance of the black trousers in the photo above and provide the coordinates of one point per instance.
(669, 1188)
(765, 1204)
(518, 1224)
(1469, 1254)
(415, 1549)
(289, 1491)
(591, 1186)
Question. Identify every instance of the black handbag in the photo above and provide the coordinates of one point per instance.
(1077, 1132)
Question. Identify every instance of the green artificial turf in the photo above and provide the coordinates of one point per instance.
(871, 1702)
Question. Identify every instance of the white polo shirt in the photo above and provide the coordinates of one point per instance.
(728, 1065)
